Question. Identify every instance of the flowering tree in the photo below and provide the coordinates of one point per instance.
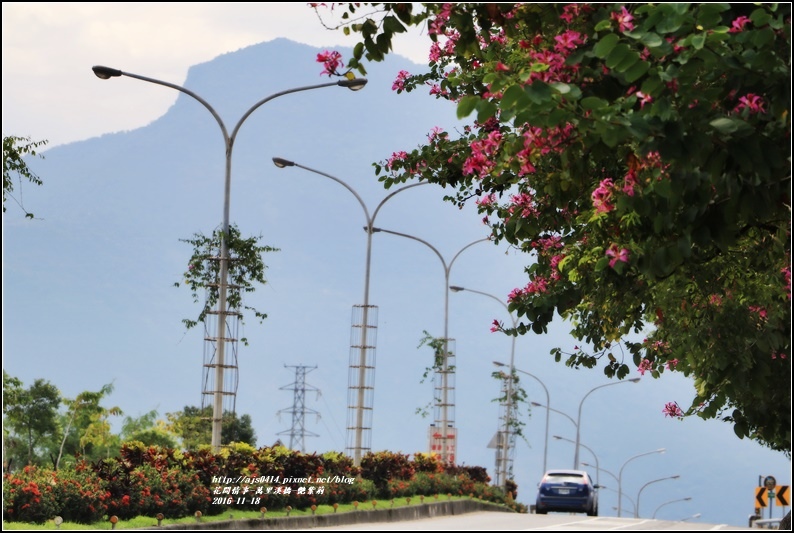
(641, 154)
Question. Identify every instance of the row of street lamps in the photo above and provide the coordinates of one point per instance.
(357, 385)
(366, 355)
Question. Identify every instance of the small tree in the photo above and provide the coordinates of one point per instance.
(14, 166)
(246, 268)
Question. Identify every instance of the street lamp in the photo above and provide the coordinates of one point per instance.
(620, 473)
(579, 418)
(637, 508)
(505, 465)
(688, 498)
(545, 390)
(444, 374)
(598, 480)
(105, 73)
(363, 365)
(625, 496)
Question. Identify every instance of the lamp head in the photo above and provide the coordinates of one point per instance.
(454, 288)
(105, 73)
(536, 404)
(635, 380)
(356, 84)
(497, 363)
(281, 163)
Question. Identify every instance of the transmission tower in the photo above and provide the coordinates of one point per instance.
(297, 433)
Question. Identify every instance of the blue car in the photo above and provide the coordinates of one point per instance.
(567, 491)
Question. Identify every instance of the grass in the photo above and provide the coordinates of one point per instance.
(145, 521)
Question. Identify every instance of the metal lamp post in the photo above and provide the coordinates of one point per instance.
(688, 498)
(598, 477)
(579, 417)
(106, 73)
(639, 493)
(362, 366)
(505, 466)
(546, 391)
(620, 474)
(445, 374)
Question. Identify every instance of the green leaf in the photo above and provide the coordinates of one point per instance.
(593, 102)
(603, 25)
(467, 105)
(539, 92)
(637, 71)
(512, 96)
(698, 41)
(651, 40)
(725, 125)
(601, 264)
(617, 55)
(605, 45)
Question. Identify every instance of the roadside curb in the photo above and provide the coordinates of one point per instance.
(425, 510)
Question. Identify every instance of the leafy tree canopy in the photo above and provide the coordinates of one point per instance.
(641, 154)
(14, 166)
(31, 414)
(193, 426)
(246, 268)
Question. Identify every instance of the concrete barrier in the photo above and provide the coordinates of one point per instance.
(410, 512)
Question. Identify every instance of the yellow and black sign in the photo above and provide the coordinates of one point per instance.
(783, 496)
(761, 497)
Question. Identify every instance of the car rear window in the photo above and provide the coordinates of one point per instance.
(564, 478)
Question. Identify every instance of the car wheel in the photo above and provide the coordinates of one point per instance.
(593, 511)
(540, 511)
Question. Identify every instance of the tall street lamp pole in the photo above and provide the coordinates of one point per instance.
(579, 418)
(688, 498)
(639, 493)
(598, 470)
(106, 73)
(620, 475)
(546, 391)
(505, 466)
(445, 368)
(362, 366)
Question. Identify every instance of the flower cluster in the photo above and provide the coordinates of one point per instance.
(672, 410)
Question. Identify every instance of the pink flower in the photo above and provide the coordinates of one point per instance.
(602, 196)
(399, 83)
(738, 24)
(396, 156)
(568, 41)
(501, 67)
(629, 183)
(672, 410)
(622, 255)
(645, 366)
(497, 326)
(331, 60)
(753, 102)
(486, 200)
(787, 276)
(643, 98)
(624, 19)
(671, 364)
(760, 310)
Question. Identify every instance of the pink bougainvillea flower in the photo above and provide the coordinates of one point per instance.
(738, 24)
(751, 101)
(643, 98)
(645, 366)
(624, 19)
(617, 255)
(399, 83)
(672, 410)
(602, 196)
(331, 61)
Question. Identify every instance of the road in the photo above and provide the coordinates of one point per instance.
(491, 521)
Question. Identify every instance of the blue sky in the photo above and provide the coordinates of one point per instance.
(82, 312)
